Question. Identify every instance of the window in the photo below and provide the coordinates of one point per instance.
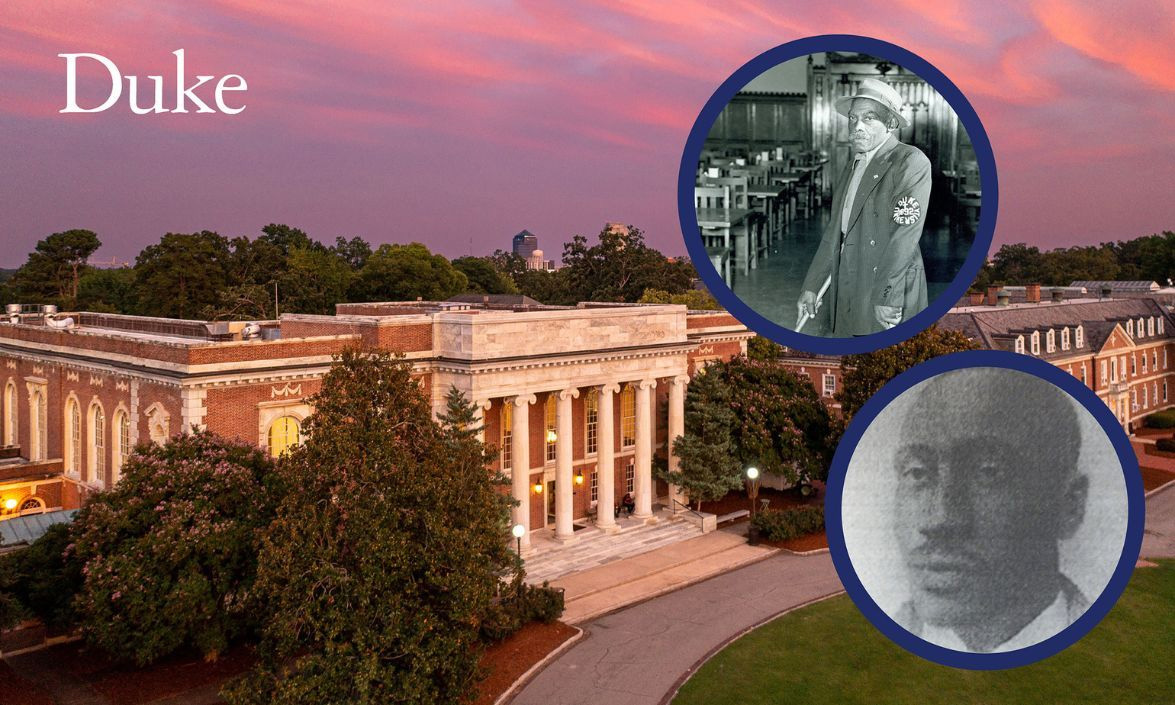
(96, 446)
(1052, 340)
(549, 436)
(1020, 344)
(1114, 369)
(73, 435)
(157, 424)
(1065, 338)
(1145, 400)
(284, 434)
(628, 417)
(1080, 336)
(1134, 400)
(507, 417)
(1164, 358)
(829, 385)
(1122, 366)
(1035, 342)
(1154, 359)
(595, 487)
(31, 505)
(591, 416)
(1105, 377)
(37, 430)
(122, 443)
(1144, 362)
(1155, 392)
(1150, 326)
(1084, 379)
(630, 476)
(1133, 364)
(1130, 328)
(1164, 390)
(10, 414)
(1159, 327)
(1139, 327)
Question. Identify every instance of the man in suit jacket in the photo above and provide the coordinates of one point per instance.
(869, 251)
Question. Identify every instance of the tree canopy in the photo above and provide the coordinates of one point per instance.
(865, 374)
(377, 571)
(405, 272)
(54, 269)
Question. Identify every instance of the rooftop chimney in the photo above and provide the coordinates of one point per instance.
(992, 292)
(1058, 295)
(1002, 298)
(1032, 293)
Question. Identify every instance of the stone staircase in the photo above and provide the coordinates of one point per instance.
(594, 547)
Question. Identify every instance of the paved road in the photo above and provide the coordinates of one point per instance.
(637, 655)
(1158, 541)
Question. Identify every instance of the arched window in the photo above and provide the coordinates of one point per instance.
(96, 446)
(31, 505)
(507, 417)
(628, 417)
(1051, 340)
(121, 445)
(284, 434)
(73, 437)
(10, 413)
(1035, 342)
(1150, 326)
(1020, 344)
(591, 419)
(549, 436)
(1080, 336)
(1065, 338)
(1130, 328)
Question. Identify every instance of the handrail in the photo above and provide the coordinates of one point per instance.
(687, 508)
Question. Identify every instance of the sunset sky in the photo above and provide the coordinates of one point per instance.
(459, 124)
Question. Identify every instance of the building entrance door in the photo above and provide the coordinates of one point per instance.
(550, 502)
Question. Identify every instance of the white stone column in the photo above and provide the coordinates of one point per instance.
(564, 530)
(606, 458)
(520, 462)
(676, 428)
(644, 449)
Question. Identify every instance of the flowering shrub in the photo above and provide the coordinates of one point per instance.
(789, 523)
(170, 553)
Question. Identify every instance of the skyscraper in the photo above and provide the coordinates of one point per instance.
(525, 243)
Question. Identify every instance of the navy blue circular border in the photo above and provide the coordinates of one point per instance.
(1135, 497)
(688, 216)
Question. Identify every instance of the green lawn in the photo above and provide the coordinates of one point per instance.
(829, 653)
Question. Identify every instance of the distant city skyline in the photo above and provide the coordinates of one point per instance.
(457, 124)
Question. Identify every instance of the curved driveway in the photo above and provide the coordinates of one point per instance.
(638, 655)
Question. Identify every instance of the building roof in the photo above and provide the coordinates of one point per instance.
(996, 327)
(1096, 285)
(493, 300)
(27, 529)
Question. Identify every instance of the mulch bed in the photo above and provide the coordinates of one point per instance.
(1153, 478)
(508, 659)
(14, 689)
(737, 500)
(811, 542)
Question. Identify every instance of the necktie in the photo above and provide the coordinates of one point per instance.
(854, 182)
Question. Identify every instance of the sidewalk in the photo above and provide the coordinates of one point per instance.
(596, 591)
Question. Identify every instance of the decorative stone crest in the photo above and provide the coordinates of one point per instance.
(287, 391)
(71, 376)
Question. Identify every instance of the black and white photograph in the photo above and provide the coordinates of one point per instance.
(837, 194)
(984, 510)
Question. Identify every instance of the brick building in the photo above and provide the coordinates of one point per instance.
(1122, 349)
(582, 397)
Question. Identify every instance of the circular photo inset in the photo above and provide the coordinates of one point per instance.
(980, 515)
(831, 198)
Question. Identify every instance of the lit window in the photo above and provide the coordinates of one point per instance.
(628, 417)
(591, 415)
(595, 496)
(829, 385)
(97, 446)
(630, 476)
(122, 427)
(507, 417)
(284, 434)
(31, 505)
(73, 446)
(1020, 344)
(549, 435)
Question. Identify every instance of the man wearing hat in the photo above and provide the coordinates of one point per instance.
(869, 252)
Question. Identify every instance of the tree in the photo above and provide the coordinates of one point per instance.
(378, 570)
(108, 290)
(620, 267)
(170, 553)
(760, 348)
(182, 274)
(865, 374)
(484, 277)
(693, 299)
(1018, 264)
(354, 251)
(41, 581)
(709, 467)
(406, 272)
(54, 268)
(314, 281)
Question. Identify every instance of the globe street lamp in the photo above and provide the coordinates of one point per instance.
(752, 486)
(518, 530)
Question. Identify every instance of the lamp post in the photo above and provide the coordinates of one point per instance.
(752, 486)
(518, 530)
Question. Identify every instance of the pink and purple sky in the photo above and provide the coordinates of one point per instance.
(459, 124)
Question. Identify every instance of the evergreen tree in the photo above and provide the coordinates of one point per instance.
(378, 571)
(709, 467)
